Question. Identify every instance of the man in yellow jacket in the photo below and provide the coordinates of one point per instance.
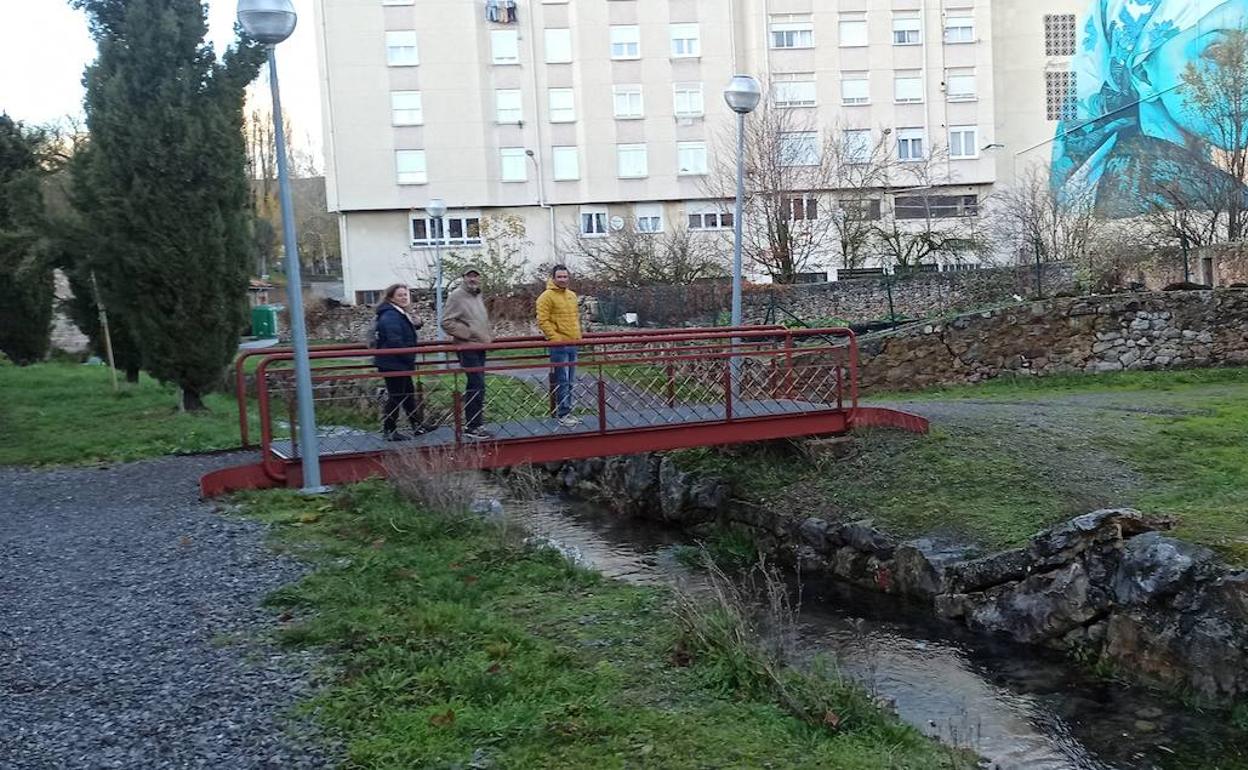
(560, 321)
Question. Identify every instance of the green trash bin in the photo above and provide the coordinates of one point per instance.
(264, 321)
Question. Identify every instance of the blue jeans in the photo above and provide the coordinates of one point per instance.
(474, 393)
(563, 377)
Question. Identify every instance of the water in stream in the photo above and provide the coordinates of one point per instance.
(1017, 707)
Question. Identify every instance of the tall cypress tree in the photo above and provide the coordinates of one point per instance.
(26, 289)
(166, 188)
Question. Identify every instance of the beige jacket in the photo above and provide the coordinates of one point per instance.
(464, 318)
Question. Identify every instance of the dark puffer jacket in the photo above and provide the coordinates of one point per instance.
(394, 330)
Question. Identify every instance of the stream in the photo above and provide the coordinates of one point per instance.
(1017, 707)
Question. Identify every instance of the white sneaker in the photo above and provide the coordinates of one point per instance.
(568, 421)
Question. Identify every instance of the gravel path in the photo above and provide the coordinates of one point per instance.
(131, 632)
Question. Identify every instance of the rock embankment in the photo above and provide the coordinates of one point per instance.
(1108, 585)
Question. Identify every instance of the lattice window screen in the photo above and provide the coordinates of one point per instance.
(1059, 34)
(1059, 95)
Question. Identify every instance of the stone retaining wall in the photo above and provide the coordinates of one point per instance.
(1099, 333)
(1107, 585)
(855, 300)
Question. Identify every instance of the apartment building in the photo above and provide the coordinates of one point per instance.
(579, 116)
(1034, 80)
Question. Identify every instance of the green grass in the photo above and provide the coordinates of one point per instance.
(1195, 464)
(57, 413)
(986, 484)
(1023, 386)
(729, 549)
(457, 647)
(944, 483)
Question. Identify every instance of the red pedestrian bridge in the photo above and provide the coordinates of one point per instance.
(636, 391)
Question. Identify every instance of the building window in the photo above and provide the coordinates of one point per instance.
(631, 161)
(514, 164)
(960, 85)
(935, 206)
(910, 144)
(708, 216)
(628, 102)
(688, 100)
(593, 221)
(562, 105)
(409, 167)
(855, 89)
(625, 42)
(558, 46)
(566, 163)
(963, 142)
(508, 106)
(691, 158)
(793, 90)
(908, 87)
(799, 148)
(960, 29)
(1059, 34)
(649, 217)
(856, 145)
(792, 34)
(853, 32)
(369, 297)
(800, 207)
(401, 48)
(1059, 95)
(686, 41)
(505, 46)
(406, 109)
(907, 30)
(453, 229)
(859, 209)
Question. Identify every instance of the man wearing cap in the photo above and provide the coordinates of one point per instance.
(465, 320)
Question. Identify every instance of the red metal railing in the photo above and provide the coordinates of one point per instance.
(625, 384)
(240, 363)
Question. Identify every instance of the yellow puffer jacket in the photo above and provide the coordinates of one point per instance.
(557, 315)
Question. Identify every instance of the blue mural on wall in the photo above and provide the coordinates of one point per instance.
(1130, 127)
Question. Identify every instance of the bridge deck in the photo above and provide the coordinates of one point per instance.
(342, 441)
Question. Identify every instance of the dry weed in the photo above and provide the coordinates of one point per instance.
(439, 479)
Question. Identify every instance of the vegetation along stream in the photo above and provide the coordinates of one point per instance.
(1017, 707)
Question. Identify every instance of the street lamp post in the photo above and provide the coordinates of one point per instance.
(742, 95)
(269, 22)
(436, 209)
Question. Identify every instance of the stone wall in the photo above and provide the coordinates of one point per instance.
(857, 300)
(1108, 585)
(918, 296)
(354, 323)
(1099, 333)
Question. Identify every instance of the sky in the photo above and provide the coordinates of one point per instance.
(45, 45)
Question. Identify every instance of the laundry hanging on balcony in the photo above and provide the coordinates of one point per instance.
(500, 11)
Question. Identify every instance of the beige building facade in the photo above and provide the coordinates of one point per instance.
(582, 116)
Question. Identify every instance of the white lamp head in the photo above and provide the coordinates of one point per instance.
(267, 21)
(742, 94)
(436, 208)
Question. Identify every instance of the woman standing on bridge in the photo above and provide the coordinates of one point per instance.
(397, 329)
